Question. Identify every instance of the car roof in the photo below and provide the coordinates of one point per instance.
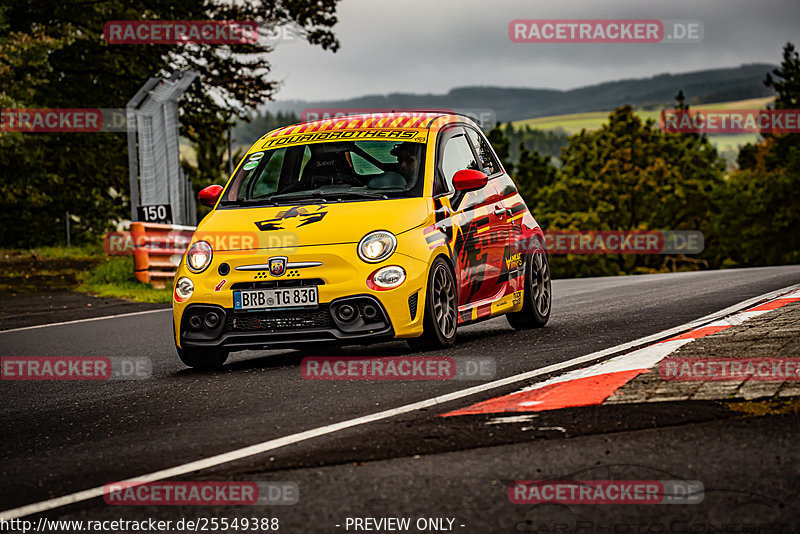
(403, 120)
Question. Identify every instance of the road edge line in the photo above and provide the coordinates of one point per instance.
(88, 319)
(266, 446)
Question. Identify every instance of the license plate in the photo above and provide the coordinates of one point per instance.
(265, 299)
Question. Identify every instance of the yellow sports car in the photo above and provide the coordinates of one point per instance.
(359, 229)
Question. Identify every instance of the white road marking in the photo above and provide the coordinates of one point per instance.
(527, 418)
(277, 443)
(85, 320)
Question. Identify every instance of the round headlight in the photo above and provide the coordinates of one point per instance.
(377, 246)
(388, 277)
(198, 257)
(184, 288)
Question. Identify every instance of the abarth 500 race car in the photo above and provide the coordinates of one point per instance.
(355, 230)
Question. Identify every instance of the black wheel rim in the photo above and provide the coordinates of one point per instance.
(540, 283)
(444, 301)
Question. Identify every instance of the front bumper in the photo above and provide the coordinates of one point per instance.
(329, 267)
(240, 330)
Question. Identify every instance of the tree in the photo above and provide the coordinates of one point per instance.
(759, 221)
(629, 175)
(501, 144)
(533, 174)
(72, 66)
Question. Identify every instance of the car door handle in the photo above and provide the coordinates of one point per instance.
(499, 211)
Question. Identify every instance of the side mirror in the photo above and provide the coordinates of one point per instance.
(469, 180)
(466, 181)
(208, 196)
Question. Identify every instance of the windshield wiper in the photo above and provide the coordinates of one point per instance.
(244, 202)
(298, 195)
(324, 196)
(364, 194)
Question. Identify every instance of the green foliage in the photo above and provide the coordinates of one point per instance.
(759, 220)
(628, 175)
(53, 55)
(533, 173)
(787, 84)
(545, 142)
(500, 143)
(117, 270)
(115, 278)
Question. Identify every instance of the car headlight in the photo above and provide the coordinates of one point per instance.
(377, 246)
(198, 258)
(184, 288)
(386, 278)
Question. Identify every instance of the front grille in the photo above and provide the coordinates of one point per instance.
(278, 284)
(412, 305)
(277, 321)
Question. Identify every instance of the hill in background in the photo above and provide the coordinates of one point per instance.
(512, 104)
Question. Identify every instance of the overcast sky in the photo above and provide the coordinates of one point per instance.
(431, 46)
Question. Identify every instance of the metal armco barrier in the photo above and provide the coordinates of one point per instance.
(157, 251)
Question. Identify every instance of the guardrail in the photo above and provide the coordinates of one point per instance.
(158, 249)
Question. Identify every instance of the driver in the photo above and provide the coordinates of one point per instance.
(406, 154)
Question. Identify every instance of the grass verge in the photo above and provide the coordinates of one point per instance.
(114, 278)
(80, 268)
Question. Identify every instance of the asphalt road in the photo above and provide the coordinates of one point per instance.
(61, 437)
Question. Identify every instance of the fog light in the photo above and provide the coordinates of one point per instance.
(346, 313)
(386, 278)
(212, 319)
(183, 289)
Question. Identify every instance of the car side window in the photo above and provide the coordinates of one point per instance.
(489, 162)
(456, 155)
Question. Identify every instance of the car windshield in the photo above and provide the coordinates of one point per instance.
(335, 171)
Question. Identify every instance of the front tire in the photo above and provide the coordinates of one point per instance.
(440, 321)
(205, 359)
(538, 294)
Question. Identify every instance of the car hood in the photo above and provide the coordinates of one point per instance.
(309, 224)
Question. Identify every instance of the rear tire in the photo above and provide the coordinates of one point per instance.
(538, 294)
(205, 359)
(440, 322)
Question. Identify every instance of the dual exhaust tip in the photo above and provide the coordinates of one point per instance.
(347, 313)
(210, 320)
